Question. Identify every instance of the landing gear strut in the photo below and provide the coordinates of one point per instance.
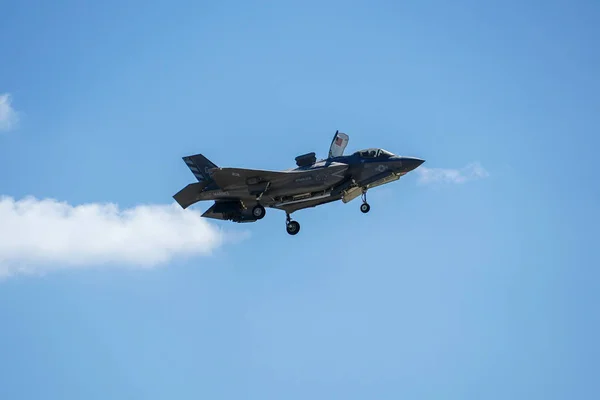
(364, 207)
(292, 227)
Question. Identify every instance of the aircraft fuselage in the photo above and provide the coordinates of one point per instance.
(241, 195)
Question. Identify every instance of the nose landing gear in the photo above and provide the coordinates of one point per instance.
(292, 227)
(364, 207)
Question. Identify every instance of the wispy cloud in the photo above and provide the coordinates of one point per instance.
(38, 236)
(8, 116)
(470, 172)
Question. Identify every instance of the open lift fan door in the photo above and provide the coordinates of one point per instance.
(338, 144)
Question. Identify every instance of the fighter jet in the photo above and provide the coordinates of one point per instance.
(241, 195)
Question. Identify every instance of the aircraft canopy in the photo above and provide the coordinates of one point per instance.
(374, 153)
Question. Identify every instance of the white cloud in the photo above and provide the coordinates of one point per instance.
(38, 236)
(8, 116)
(470, 172)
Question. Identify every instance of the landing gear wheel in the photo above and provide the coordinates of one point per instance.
(258, 211)
(364, 207)
(292, 227)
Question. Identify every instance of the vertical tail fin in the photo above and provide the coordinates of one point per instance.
(199, 165)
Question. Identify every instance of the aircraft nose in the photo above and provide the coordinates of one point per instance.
(410, 163)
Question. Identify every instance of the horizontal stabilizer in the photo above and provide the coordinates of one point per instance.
(214, 214)
(189, 194)
(231, 210)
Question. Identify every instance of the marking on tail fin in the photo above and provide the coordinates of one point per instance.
(194, 170)
(200, 166)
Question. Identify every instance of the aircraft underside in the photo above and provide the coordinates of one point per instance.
(243, 208)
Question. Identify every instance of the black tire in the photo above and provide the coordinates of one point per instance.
(258, 212)
(365, 207)
(292, 227)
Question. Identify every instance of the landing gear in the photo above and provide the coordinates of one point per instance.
(364, 207)
(292, 227)
(258, 211)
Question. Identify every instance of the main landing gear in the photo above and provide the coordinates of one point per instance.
(364, 207)
(258, 211)
(292, 227)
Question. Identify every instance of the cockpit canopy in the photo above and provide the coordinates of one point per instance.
(374, 153)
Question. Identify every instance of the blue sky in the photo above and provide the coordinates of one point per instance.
(485, 286)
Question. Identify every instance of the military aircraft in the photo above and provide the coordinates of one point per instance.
(241, 194)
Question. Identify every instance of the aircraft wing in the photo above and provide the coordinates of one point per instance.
(238, 177)
(338, 144)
